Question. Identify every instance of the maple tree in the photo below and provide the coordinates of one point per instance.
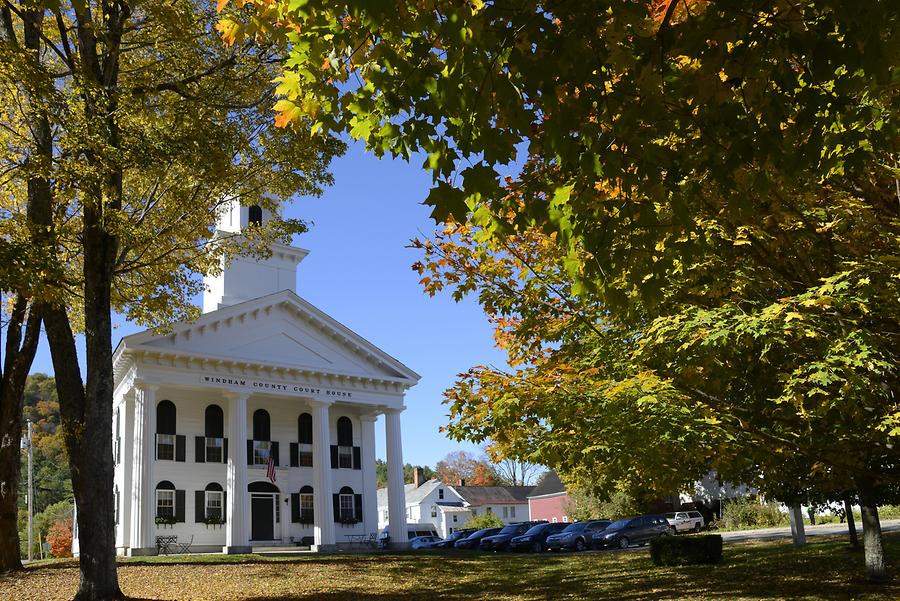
(130, 127)
(717, 181)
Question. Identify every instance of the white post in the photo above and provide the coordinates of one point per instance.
(370, 488)
(143, 489)
(396, 491)
(798, 534)
(237, 536)
(30, 494)
(323, 511)
(128, 444)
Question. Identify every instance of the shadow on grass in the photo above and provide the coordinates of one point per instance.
(823, 570)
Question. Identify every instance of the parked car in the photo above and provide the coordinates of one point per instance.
(448, 542)
(500, 541)
(576, 536)
(637, 530)
(412, 531)
(686, 521)
(423, 542)
(472, 541)
(535, 538)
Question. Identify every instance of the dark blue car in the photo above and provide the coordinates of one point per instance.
(473, 540)
(535, 539)
(630, 531)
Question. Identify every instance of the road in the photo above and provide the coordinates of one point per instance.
(822, 530)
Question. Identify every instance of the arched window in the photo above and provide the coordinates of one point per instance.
(304, 428)
(165, 430)
(304, 440)
(165, 500)
(262, 429)
(254, 215)
(345, 442)
(346, 505)
(213, 443)
(262, 487)
(165, 417)
(306, 505)
(213, 503)
(262, 435)
(214, 421)
(344, 432)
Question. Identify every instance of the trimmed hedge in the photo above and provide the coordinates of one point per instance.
(686, 550)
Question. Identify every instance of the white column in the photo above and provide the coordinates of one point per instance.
(323, 510)
(396, 491)
(370, 488)
(143, 489)
(237, 522)
(127, 449)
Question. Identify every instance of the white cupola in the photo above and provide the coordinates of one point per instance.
(247, 278)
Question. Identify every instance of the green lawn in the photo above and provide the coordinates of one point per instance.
(753, 570)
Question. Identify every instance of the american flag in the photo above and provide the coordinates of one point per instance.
(270, 469)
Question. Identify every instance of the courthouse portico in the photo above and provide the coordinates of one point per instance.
(205, 413)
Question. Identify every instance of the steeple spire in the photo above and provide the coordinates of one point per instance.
(247, 278)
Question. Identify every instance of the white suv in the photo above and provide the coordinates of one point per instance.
(686, 521)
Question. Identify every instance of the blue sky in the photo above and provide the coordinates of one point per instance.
(358, 271)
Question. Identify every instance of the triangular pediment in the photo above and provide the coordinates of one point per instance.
(280, 330)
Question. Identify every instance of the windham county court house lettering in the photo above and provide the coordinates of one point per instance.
(262, 373)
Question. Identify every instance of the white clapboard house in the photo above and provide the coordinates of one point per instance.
(262, 374)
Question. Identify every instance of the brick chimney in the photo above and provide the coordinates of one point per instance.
(417, 477)
(462, 482)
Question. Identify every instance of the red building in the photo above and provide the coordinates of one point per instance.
(549, 500)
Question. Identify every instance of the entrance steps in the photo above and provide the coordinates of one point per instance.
(282, 549)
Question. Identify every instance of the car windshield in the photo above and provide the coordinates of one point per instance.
(511, 529)
(619, 524)
(457, 535)
(576, 527)
(483, 532)
(536, 529)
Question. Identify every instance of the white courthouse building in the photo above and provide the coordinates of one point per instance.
(262, 373)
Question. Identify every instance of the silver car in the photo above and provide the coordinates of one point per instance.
(424, 542)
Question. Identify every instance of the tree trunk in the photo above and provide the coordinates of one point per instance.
(20, 350)
(851, 523)
(876, 569)
(23, 329)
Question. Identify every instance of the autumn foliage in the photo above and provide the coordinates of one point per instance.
(60, 538)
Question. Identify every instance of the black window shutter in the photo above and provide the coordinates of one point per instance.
(357, 459)
(336, 501)
(179, 506)
(357, 505)
(225, 451)
(199, 506)
(200, 449)
(334, 457)
(224, 506)
(179, 447)
(156, 446)
(118, 451)
(295, 507)
(249, 452)
(294, 453)
(275, 452)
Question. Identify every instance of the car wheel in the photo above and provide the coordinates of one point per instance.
(579, 545)
(623, 542)
(697, 527)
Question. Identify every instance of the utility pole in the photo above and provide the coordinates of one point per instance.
(30, 496)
